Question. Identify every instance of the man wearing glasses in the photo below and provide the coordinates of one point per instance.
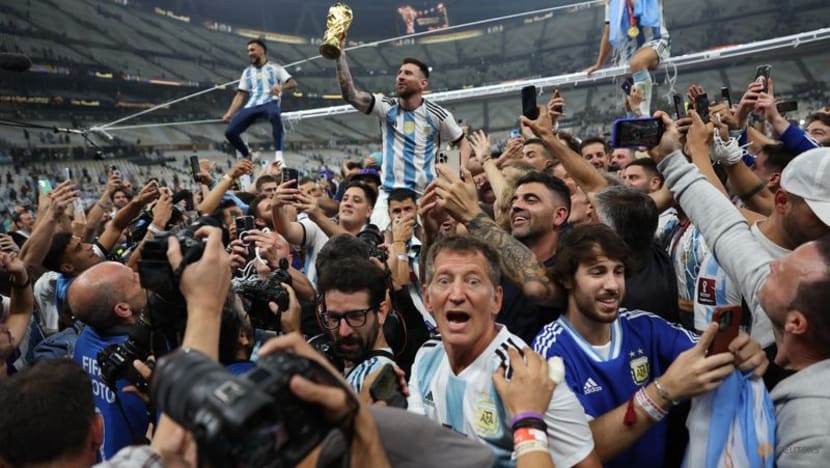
(353, 308)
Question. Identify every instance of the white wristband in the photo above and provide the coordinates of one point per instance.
(152, 228)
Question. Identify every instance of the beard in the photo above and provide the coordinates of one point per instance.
(362, 346)
(405, 93)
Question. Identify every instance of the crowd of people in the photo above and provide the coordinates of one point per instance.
(561, 303)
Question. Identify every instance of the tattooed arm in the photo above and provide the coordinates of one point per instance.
(361, 100)
(458, 197)
(519, 262)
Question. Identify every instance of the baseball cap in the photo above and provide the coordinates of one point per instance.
(808, 176)
(367, 175)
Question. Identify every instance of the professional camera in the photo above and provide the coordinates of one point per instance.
(154, 269)
(262, 291)
(372, 237)
(251, 420)
(116, 360)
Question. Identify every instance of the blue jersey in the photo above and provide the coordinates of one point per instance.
(468, 402)
(411, 139)
(118, 432)
(642, 347)
(358, 374)
(257, 82)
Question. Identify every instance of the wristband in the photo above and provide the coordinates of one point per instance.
(403, 258)
(526, 415)
(531, 423)
(654, 411)
(664, 394)
(152, 228)
(528, 447)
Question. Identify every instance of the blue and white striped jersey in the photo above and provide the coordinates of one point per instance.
(358, 374)
(642, 347)
(257, 82)
(647, 35)
(411, 139)
(715, 289)
(468, 402)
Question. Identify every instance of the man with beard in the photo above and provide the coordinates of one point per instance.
(628, 368)
(413, 130)
(263, 83)
(353, 308)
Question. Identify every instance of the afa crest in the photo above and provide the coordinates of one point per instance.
(639, 369)
(487, 419)
(409, 127)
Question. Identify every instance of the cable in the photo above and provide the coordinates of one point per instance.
(359, 46)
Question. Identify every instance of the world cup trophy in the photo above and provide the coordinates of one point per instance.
(337, 23)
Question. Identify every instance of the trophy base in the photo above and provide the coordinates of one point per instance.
(330, 52)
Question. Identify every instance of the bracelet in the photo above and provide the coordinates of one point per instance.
(664, 394)
(753, 192)
(152, 228)
(529, 447)
(526, 415)
(403, 257)
(651, 408)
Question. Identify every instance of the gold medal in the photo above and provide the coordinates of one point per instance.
(633, 32)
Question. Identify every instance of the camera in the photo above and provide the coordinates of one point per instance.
(250, 420)
(262, 291)
(372, 237)
(154, 269)
(116, 360)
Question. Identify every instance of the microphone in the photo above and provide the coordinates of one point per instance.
(14, 62)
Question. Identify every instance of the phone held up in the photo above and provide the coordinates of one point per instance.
(636, 133)
(728, 319)
(762, 74)
(529, 107)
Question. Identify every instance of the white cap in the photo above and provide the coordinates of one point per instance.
(808, 176)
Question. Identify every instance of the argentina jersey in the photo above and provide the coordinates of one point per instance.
(642, 347)
(658, 36)
(257, 82)
(410, 141)
(358, 374)
(468, 402)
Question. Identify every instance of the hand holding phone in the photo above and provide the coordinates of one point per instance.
(386, 388)
(679, 107)
(762, 74)
(636, 133)
(728, 319)
(195, 169)
(702, 106)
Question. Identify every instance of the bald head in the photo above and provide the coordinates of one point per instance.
(106, 294)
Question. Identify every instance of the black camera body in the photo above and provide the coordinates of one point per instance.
(372, 237)
(250, 420)
(262, 291)
(116, 361)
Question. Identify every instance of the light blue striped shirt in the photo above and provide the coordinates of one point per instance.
(257, 82)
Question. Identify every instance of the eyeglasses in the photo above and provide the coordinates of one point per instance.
(355, 318)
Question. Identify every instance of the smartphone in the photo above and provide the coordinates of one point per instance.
(67, 173)
(450, 158)
(702, 106)
(243, 225)
(728, 319)
(635, 133)
(787, 106)
(556, 94)
(529, 108)
(515, 133)
(762, 74)
(386, 388)
(194, 167)
(44, 185)
(114, 170)
(290, 174)
(679, 106)
(724, 93)
(626, 85)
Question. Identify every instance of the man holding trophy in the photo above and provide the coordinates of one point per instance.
(413, 129)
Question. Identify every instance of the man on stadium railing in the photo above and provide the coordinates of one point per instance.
(414, 130)
(636, 33)
(452, 378)
(263, 84)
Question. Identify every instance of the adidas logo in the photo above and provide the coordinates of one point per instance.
(591, 387)
(428, 397)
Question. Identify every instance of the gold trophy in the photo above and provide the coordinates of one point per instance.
(337, 23)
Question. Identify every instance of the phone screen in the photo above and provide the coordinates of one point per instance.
(762, 74)
(635, 133)
(529, 108)
(702, 106)
(243, 225)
